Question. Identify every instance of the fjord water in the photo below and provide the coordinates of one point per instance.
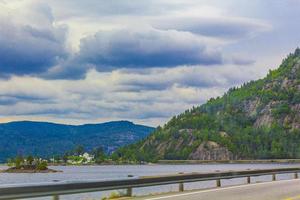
(108, 172)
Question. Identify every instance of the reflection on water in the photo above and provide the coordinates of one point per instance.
(85, 173)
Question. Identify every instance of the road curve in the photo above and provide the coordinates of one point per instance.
(276, 190)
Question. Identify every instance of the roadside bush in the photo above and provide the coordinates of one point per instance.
(42, 165)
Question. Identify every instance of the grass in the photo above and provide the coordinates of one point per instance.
(114, 195)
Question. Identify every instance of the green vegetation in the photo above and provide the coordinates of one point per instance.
(114, 195)
(28, 163)
(43, 139)
(78, 156)
(99, 155)
(260, 119)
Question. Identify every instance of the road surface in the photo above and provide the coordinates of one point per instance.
(276, 190)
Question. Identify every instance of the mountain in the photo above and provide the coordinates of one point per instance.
(47, 139)
(260, 119)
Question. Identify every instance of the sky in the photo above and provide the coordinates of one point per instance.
(93, 61)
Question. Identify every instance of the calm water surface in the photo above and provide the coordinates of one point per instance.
(108, 172)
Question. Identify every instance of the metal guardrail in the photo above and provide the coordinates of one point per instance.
(56, 189)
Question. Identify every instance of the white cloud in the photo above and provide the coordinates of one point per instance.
(153, 96)
(52, 42)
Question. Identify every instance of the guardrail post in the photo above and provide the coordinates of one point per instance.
(218, 181)
(55, 197)
(129, 192)
(181, 187)
(296, 175)
(248, 179)
(273, 177)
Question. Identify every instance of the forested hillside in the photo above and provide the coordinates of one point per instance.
(48, 139)
(260, 119)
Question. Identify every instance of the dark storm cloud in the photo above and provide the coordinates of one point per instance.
(145, 49)
(180, 41)
(14, 98)
(39, 49)
(7, 101)
(30, 48)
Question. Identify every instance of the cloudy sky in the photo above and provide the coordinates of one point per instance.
(97, 60)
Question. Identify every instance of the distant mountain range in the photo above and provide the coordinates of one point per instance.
(47, 139)
(260, 119)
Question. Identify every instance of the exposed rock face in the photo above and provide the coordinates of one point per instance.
(250, 107)
(211, 151)
(296, 120)
(264, 119)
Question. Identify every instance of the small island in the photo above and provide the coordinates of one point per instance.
(28, 165)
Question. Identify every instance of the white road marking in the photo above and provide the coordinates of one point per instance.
(221, 189)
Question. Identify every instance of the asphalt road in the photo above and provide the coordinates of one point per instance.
(276, 190)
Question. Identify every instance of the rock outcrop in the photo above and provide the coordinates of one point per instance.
(210, 150)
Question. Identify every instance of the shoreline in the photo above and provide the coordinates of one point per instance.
(179, 162)
(29, 171)
(259, 161)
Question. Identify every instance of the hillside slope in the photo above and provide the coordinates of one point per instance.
(260, 119)
(47, 139)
